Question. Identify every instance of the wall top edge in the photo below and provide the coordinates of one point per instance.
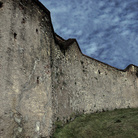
(66, 43)
(42, 6)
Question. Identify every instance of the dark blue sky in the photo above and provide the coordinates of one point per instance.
(106, 30)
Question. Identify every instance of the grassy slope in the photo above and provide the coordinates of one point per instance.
(121, 123)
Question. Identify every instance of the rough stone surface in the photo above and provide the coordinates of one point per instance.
(25, 73)
(85, 85)
(44, 78)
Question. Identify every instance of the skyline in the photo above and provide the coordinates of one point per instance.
(106, 31)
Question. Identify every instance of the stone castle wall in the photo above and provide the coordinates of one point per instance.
(86, 85)
(25, 69)
(44, 77)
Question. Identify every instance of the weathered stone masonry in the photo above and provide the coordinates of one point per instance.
(44, 77)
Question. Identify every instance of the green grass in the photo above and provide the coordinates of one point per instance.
(121, 123)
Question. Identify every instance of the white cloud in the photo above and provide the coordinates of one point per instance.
(106, 30)
(91, 49)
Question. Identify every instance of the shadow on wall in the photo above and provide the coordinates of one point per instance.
(1, 4)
